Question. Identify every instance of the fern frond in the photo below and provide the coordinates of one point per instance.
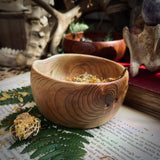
(46, 132)
(52, 155)
(7, 122)
(19, 95)
(75, 130)
(58, 157)
(75, 158)
(53, 141)
(72, 142)
(72, 148)
(39, 142)
(19, 143)
(44, 122)
(73, 136)
(74, 153)
(44, 149)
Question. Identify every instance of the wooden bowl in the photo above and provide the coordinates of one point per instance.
(113, 50)
(73, 104)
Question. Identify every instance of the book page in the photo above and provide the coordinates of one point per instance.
(129, 135)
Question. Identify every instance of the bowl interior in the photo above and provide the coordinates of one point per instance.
(64, 66)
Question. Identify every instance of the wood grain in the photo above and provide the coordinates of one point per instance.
(78, 105)
(12, 30)
(113, 50)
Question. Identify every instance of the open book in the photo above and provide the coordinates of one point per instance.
(129, 135)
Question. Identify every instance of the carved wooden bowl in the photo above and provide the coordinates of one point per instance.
(74, 104)
(113, 50)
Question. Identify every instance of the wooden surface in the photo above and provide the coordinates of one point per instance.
(113, 50)
(12, 30)
(78, 105)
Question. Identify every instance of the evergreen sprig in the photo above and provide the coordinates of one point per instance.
(53, 141)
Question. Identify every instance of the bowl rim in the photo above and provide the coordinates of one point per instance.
(77, 83)
(96, 42)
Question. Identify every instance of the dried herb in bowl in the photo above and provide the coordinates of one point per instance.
(89, 78)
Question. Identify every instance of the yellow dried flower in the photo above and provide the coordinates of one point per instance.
(6, 95)
(20, 99)
(25, 126)
(2, 98)
(89, 78)
(23, 93)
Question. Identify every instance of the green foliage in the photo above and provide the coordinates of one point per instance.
(53, 141)
(77, 27)
(7, 122)
(60, 49)
(16, 95)
(109, 36)
(52, 154)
